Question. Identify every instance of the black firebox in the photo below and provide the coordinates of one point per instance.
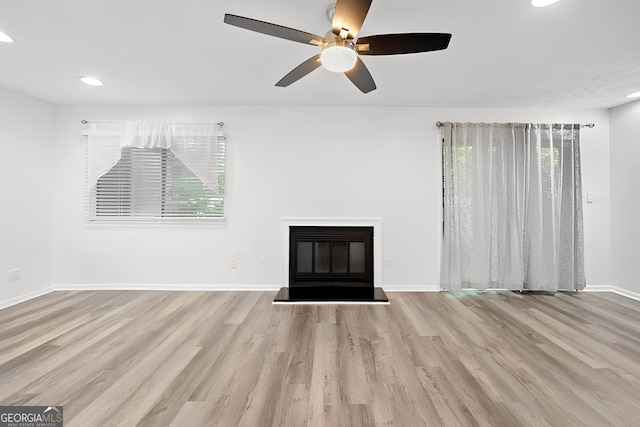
(331, 263)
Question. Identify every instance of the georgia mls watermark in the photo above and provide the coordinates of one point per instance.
(31, 416)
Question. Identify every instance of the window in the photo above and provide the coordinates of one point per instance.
(156, 183)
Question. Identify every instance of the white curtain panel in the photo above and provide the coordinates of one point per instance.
(512, 207)
(195, 144)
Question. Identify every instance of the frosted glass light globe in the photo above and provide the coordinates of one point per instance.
(339, 56)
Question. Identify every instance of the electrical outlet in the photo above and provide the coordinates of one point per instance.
(234, 264)
(14, 275)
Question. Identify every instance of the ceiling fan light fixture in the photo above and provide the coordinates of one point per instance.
(542, 3)
(339, 56)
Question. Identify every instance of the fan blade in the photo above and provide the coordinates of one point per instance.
(300, 71)
(397, 44)
(360, 76)
(273, 30)
(349, 15)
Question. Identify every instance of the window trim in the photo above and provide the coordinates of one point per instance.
(94, 221)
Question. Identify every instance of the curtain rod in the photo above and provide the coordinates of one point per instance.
(221, 124)
(588, 125)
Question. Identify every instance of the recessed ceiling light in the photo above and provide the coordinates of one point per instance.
(634, 95)
(5, 38)
(542, 3)
(92, 81)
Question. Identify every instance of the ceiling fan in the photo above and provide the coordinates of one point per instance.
(341, 47)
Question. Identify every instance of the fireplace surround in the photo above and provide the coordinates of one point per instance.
(331, 260)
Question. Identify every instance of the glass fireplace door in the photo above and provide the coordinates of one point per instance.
(331, 256)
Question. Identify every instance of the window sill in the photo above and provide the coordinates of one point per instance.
(157, 223)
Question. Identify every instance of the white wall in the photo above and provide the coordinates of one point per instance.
(298, 162)
(625, 196)
(26, 138)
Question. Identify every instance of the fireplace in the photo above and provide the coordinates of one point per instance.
(331, 263)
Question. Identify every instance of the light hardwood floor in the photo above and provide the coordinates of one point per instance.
(127, 358)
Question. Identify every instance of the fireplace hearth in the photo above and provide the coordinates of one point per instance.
(330, 264)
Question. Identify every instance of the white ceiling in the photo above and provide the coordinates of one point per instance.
(503, 53)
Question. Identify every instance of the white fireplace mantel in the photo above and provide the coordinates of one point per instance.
(376, 223)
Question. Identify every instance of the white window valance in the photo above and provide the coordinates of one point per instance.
(195, 144)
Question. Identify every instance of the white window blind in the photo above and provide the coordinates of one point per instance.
(178, 179)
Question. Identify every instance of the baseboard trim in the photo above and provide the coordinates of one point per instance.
(412, 288)
(207, 287)
(22, 298)
(614, 289)
(163, 287)
(242, 288)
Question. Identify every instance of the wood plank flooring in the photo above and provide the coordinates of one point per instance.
(140, 358)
